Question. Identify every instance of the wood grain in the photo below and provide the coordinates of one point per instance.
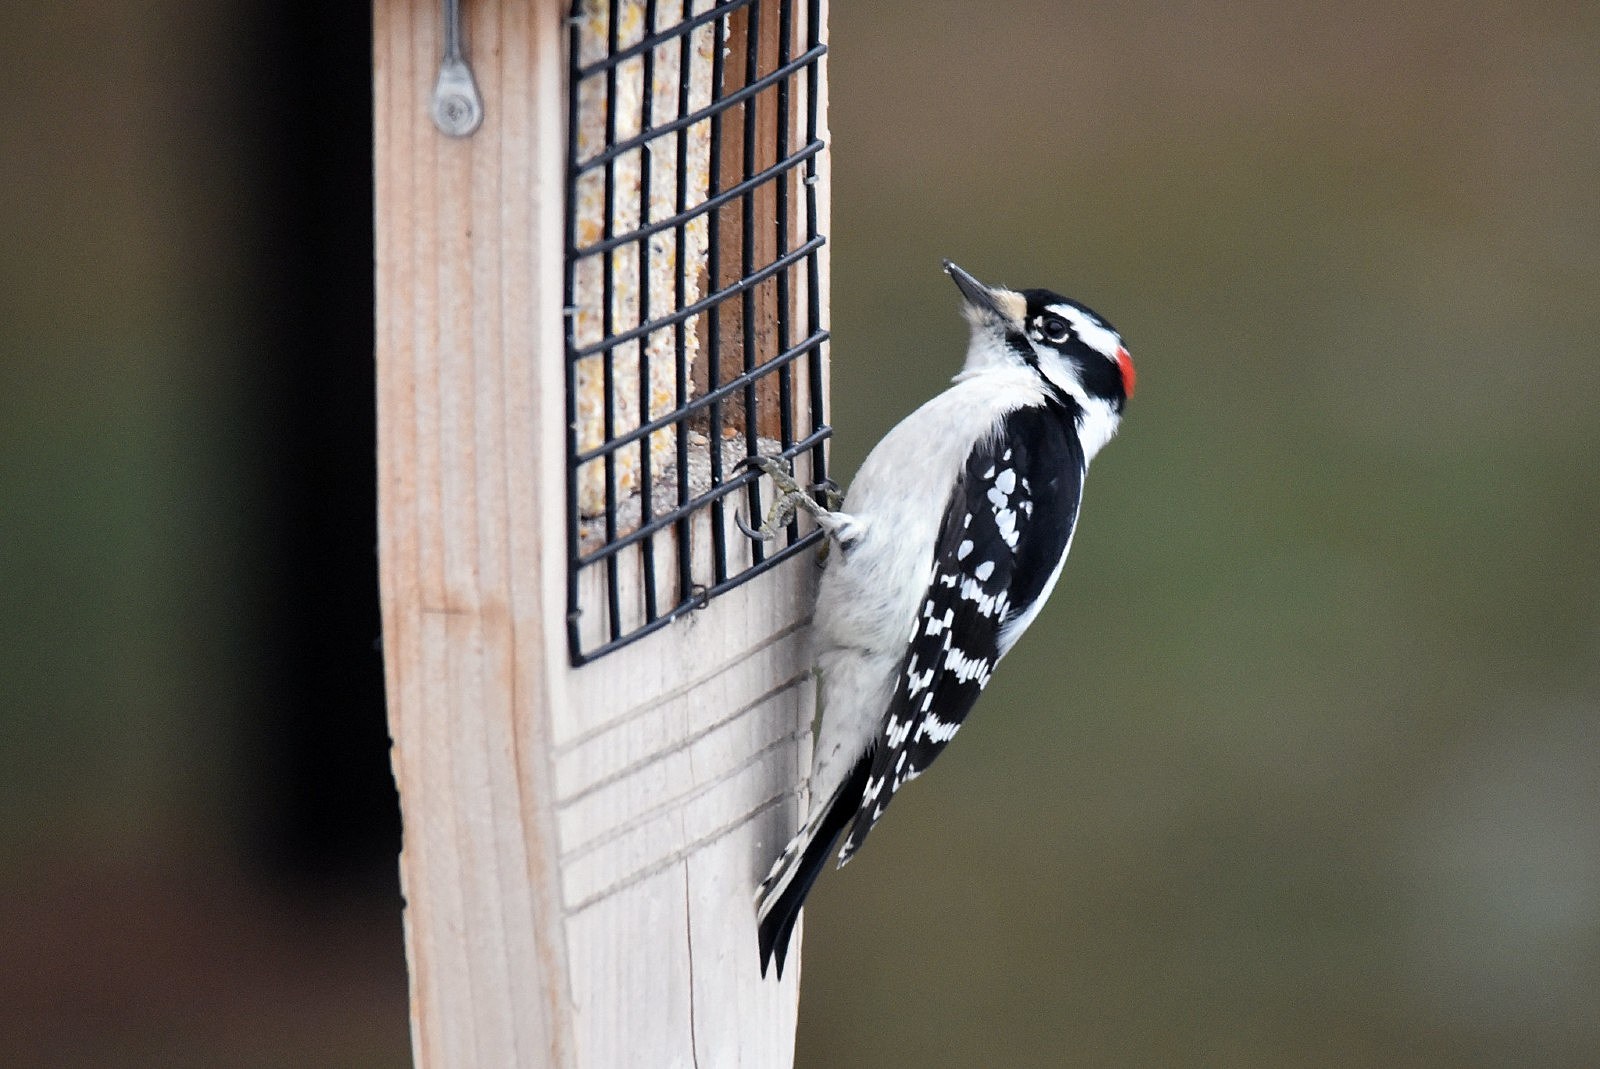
(466, 573)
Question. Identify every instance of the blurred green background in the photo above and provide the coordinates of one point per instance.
(1301, 766)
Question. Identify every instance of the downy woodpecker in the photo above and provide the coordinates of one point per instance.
(945, 548)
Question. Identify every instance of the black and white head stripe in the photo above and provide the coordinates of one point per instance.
(1084, 325)
(1005, 531)
(1059, 326)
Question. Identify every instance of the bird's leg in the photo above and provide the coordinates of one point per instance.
(840, 526)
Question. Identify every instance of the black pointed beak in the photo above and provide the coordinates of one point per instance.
(977, 294)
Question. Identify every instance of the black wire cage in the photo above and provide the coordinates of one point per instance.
(694, 317)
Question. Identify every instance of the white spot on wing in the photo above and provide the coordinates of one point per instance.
(1005, 522)
(966, 668)
(987, 604)
(898, 730)
(937, 730)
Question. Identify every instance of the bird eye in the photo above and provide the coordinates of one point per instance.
(1055, 328)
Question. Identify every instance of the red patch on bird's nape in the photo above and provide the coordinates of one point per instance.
(1125, 362)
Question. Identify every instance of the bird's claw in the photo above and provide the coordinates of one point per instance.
(749, 532)
(776, 521)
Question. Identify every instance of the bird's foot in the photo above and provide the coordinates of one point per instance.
(792, 498)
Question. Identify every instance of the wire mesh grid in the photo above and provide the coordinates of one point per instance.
(694, 330)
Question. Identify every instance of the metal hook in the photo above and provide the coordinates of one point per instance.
(456, 107)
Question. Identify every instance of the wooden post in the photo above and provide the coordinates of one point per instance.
(581, 845)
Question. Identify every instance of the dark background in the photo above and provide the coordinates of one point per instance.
(1300, 767)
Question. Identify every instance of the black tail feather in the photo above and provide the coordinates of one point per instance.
(779, 922)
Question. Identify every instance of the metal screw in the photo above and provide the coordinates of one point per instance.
(456, 107)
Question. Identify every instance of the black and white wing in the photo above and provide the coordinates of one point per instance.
(1004, 535)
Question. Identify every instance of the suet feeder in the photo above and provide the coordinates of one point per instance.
(601, 283)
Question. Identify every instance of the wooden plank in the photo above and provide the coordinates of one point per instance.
(468, 298)
(676, 777)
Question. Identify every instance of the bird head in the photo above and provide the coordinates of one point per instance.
(1069, 345)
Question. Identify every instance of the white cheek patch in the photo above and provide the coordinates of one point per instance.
(1093, 334)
